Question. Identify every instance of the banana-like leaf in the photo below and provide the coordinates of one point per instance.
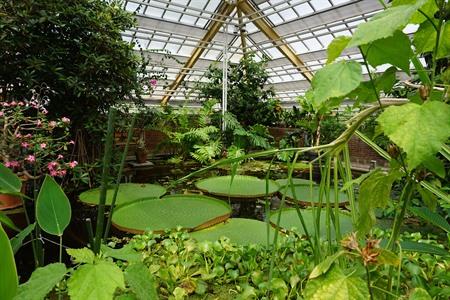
(8, 273)
(9, 182)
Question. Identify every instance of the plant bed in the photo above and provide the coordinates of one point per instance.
(239, 230)
(128, 192)
(290, 219)
(243, 187)
(190, 212)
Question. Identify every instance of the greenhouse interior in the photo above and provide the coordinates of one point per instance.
(224, 149)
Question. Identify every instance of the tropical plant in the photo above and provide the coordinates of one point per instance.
(249, 98)
(54, 42)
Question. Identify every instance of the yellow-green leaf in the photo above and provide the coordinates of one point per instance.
(8, 273)
(336, 47)
(420, 130)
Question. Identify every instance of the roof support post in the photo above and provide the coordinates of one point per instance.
(260, 22)
(223, 11)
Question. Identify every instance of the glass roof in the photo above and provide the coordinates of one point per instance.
(176, 27)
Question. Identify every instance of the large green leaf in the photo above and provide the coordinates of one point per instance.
(96, 281)
(240, 186)
(53, 210)
(238, 230)
(336, 47)
(126, 253)
(128, 192)
(425, 39)
(290, 219)
(335, 80)
(375, 191)
(8, 272)
(141, 282)
(41, 282)
(394, 50)
(17, 240)
(420, 130)
(429, 8)
(384, 24)
(336, 285)
(365, 91)
(412, 246)
(9, 182)
(187, 211)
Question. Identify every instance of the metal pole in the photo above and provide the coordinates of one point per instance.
(225, 75)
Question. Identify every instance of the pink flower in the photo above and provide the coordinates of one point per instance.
(5, 104)
(53, 173)
(43, 145)
(1, 113)
(39, 123)
(62, 173)
(60, 156)
(73, 164)
(44, 111)
(153, 82)
(65, 120)
(71, 142)
(13, 103)
(18, 135)
(27, 136)
(52, 165)
(25, 145)
(12, 164)
(30, 158)
(21, 103)
(52, 124)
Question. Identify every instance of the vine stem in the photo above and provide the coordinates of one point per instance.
(405, 197)
(369, 286)
(436, 46)
(372, 83)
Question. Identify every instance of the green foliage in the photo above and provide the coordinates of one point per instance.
(420, 130)
(336, 47)
(141, 281)
(431, 217)
(375, 191)
(82, 256)
(17, 240)
(249, 98)
(41, 282)
(8, 273)
(394, 50)
(53, 210)
(9, 182)
(97, 281)
(425, 39)
(384, 24)
(75, 47)
(335, 80)
(335, 284)
(419, 294)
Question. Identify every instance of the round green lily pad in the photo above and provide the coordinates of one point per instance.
(290, 219)
(295, 181)
(191, 212)
(303, 194)
(128, 192)
(239, 231)
(241, 187)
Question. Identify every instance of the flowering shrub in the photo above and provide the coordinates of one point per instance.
(32, 145)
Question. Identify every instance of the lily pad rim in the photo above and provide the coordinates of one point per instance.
(237, 195)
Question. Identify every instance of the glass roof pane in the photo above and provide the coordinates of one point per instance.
(303, 9)
(320, 4)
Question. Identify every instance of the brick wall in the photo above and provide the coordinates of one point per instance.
(361, 153)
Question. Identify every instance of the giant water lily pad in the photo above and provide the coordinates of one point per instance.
(241, 187)
(304, 196)
(290, 219)
(295, 181)
(190, 212)
(239, 231)
(128, 192)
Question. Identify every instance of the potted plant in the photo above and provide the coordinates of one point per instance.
(141, 151)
